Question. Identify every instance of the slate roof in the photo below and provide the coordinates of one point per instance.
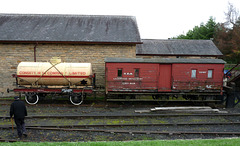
(178, 47)
(68, 28)
(165, 60)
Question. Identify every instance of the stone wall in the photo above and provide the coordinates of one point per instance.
(12, 54)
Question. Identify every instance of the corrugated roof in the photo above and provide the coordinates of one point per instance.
(178, 47)
(165, 60)
(69, 28)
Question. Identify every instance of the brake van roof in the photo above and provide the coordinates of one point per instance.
(165, 60)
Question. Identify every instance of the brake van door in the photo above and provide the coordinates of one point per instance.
(165, 77)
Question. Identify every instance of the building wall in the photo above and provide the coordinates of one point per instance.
(12, 54)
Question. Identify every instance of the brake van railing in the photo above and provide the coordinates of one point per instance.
(233, 74)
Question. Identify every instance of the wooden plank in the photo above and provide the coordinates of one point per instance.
(188, 109)
(195, 110)
(142, 111)
(181, 108)
(199, 110)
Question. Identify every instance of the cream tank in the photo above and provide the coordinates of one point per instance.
(60, 74)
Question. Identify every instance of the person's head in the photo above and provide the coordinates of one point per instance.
(16, 98)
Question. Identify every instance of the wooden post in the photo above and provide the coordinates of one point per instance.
(230, 102)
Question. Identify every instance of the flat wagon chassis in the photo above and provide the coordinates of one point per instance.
(32, 95)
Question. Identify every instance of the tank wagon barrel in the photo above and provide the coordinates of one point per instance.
(37, 79)
(46, 73)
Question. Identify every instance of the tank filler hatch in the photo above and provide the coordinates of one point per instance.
(55, 60)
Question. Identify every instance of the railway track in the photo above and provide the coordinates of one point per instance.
(124, 125)
(118, 102)
(104, 128)
(133, 131)
(170, 133)
(105, 124)
(124, 116)
(75, 127)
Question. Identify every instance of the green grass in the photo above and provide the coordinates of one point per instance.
(209, 142)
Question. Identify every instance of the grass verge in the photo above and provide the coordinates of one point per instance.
(206, 142)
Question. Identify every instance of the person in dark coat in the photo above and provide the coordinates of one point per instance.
(18, 109)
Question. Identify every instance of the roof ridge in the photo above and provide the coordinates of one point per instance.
(69, 28)
(64, 15)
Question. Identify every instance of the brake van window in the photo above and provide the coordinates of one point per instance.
(119, 72)
(210, 73)
(136, 72)
(194, 73)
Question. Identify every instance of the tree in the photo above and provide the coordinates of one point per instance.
(202, 32)
(227, 37)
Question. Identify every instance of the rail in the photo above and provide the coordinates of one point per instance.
(123, 116)
(71, 128)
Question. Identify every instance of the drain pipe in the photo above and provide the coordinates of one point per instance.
(35, 58)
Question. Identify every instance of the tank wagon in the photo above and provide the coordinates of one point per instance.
(192, 79)
(37, 79)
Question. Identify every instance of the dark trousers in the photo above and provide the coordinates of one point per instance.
(20, 126)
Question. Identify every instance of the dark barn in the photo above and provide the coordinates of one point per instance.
(155, 48)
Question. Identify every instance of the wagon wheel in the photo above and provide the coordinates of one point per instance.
(76, 99)
(158, 98)
(31, 98)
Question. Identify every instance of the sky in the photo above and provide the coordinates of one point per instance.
(156, 19)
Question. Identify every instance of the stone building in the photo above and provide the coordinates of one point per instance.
(74, 38)
(155, 48)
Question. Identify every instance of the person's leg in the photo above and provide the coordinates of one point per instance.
(24, 131)
(19, 127)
